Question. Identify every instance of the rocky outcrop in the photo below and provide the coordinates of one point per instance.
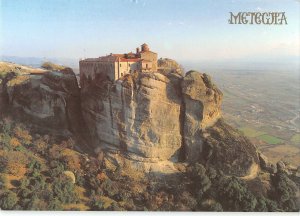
(265, 164)
(202, 108)
(149, 121)
(166, 66)
(8, 71)
(152, 119)
(138, 115)
(226, 149)
(50, 100)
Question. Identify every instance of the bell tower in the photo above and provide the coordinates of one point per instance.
(145, 47)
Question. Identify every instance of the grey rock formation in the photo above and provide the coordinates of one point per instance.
(151, 119)
(138, 115)
(202, 105)
(227, 150)
(148, 121)
(265, 164)
(166, 66)
(281, 166)
(50, 100)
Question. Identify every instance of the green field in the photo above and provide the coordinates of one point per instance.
(270, 139)
(296, 139)
(249, 132)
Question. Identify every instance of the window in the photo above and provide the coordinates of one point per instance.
(121, 74)
(146, 65)
(120, 65)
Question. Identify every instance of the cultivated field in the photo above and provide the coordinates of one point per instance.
(265, 106)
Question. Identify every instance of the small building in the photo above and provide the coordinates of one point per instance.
(115, 66)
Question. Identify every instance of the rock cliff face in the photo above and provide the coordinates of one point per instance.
(138, 115)
(166, 66)
(202, 108)
(160, 119)
(151, 121)
(50, 100)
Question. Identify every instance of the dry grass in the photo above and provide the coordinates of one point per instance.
(81, 193)
(290, 153)
(80, 206)
(6, 67)
(18, 80)
(10, 178)
(106, 201)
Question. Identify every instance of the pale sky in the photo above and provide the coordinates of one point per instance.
(185, 30)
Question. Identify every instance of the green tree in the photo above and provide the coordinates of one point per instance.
(64, 190)
(285, 191)
(3, 181)
(235, 196)
(55, 205)
(96, 204)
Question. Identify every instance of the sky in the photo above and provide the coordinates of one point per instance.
(184, 30)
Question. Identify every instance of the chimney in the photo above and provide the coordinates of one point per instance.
(137, 50)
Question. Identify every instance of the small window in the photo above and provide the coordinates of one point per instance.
(146, 65)
(120, 65)
(121, 74)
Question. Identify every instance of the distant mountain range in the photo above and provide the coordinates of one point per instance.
(38, 61)
(288, 63)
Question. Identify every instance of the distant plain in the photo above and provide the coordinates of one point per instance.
(264, 105)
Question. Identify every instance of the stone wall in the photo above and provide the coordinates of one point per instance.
(150, 56)
(90, 70)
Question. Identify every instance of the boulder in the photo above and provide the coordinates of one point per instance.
(281, 166)
(297, 173)
(265, 164)
(70, 175)
(50, 101)
(166, 66)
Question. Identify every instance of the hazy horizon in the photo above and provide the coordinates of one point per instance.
(187, 31)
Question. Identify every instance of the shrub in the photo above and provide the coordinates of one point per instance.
(3, 181)
(54, 205)
(201, 181)
(52, 66)
(34, 165)
(56, 168)
(235, 196)
(110, 187)
(36, 204)
(40, 146)
(6, 125)
(14, 142)
(23, 135)
(64, 190)
(8, 200)
(96, 204)
(24, 193)
(285, 192)
(5, 141)
(211, 205)
(71, 159)
(16, 168)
